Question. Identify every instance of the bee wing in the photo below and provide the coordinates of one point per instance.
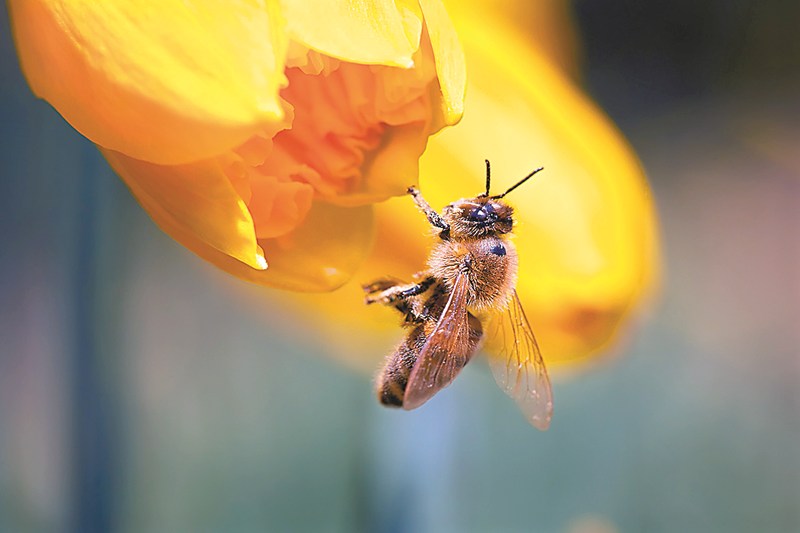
(445, 352)
(518, 366)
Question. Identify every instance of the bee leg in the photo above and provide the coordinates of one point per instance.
(401, 296)
(395, 293)
(412, 310)
(381, 284)
(433, 217)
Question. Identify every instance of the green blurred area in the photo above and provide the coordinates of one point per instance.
(141, 390)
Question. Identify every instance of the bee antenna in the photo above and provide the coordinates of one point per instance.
(488, 177)
(520, 182)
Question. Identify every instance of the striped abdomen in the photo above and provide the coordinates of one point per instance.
(393, 379)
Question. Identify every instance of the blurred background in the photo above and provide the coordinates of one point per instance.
(141, 389)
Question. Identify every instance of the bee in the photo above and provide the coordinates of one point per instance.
(466, 293)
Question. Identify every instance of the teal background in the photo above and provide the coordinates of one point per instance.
(142, 390)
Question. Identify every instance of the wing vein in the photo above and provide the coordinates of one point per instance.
(519, 368)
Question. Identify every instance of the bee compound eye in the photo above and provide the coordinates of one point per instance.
(498, 249)
(478, 214)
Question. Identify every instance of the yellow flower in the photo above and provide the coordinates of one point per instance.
(255, 133)
(586, 227)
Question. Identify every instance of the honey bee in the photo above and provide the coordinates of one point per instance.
(468, 286)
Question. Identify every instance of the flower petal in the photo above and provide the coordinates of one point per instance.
(172, 84)
(322, 253)
(390, 170)
(449, 57)
(358, 130)
(195, 204)
(360, 31)
(319, 255)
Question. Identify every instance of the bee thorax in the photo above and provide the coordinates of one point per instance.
(489, 263)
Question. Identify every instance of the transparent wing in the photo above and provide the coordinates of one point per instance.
(445, 352)
(518, 366)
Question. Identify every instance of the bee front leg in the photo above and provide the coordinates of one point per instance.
(433, 217)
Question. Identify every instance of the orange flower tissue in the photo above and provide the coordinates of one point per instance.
(255, 133)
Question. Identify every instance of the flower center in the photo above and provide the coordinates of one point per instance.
(338, 116)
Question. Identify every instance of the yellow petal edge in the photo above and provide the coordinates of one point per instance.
(172, 84)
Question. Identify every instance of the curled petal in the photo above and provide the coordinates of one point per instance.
(390, 170)
(360, 31)
(206, 73)
(322, 253)
(278, 204)
(358, 130)
(449, 58)
(198, 205)
(195, 203)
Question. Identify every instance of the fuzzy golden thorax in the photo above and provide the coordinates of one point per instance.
(492, 270)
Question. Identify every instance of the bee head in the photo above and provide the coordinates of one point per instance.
(481, 216)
